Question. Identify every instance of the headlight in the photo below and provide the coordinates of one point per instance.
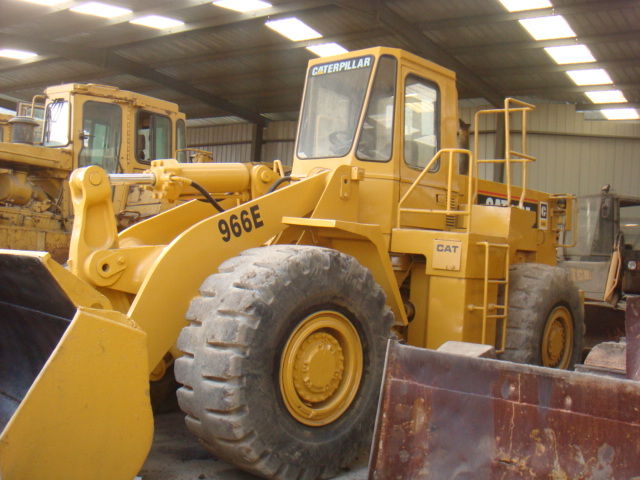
(632, 265)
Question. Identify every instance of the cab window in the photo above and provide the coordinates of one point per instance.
(421, 113)
(153, 137)
(376, 134)
(101, 135)
(181, 140)
(334, 98)
(56, 124)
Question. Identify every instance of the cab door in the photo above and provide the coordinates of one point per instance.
(428, 111)
(99, 133)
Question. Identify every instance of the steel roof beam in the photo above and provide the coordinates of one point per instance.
(29, 11)
(583, 107)
(283, 46)
(421, 44)
(576, 9)
(632, 35)
(551, 68)
(563, 89)
(89, 77)
(108, 60)
(222, 21)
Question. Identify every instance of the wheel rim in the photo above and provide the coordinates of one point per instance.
(321, 368)
(557, 339)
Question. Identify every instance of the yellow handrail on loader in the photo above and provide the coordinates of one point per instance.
(450, 152)
(522, 156)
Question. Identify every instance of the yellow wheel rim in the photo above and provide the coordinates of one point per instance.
(557, 339)
(321, 368)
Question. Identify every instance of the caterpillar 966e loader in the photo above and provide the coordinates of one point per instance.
(84, 124)
(290, 286)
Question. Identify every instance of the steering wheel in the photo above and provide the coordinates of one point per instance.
(340, 141)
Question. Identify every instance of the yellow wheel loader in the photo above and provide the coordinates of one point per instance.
(280, 292)
(83, 124)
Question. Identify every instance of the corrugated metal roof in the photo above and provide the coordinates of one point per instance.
(221, 54)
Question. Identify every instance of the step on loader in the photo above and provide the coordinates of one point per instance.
(279, 292)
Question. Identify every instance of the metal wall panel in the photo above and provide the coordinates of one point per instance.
(573, 155)
(232, 143)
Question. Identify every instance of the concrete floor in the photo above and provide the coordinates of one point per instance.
(176, 455)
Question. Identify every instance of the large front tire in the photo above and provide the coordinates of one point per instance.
(546, 317)
(283, 358)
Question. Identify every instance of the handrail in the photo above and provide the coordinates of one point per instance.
(521, 157)
(425, 170)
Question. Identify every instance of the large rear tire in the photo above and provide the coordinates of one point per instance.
(546, 317)
(283, 358)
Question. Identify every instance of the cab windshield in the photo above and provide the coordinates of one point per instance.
(333, 102)
(595, 228)
(630, 223)
(56, 124)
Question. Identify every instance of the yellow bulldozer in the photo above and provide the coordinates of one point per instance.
(278, 293)
(83, 124)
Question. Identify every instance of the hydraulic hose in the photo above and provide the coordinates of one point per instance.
(279, 182)
(207, 196)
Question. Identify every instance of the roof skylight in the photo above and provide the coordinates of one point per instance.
(16, 54)
(46, 3)
(595, 76)
(606, 96)
(157, 21)
(547, 28)
(620, 113)
(294, 29)
(100, 9)
(570, 54)
(243, 5)
(327, 49)
(520, 5)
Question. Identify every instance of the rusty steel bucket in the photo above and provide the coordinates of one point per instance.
(446, 416)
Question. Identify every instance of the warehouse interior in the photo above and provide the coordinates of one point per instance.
(124, 268)
(226, 68)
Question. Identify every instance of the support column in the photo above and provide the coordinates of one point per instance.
(257, 132)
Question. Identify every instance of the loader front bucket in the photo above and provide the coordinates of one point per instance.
(449, 416)
(74, 399)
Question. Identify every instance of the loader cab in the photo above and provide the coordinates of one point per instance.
(386, 112)
(118, 130)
